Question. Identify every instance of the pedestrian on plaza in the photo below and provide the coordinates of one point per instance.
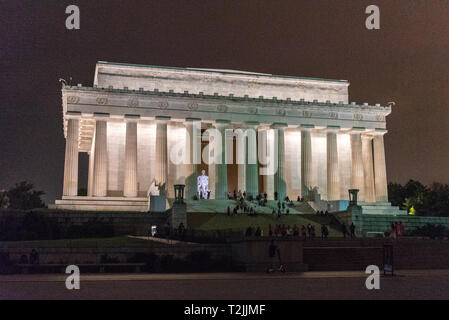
(303, 232)
(352, 230)
(344, 230)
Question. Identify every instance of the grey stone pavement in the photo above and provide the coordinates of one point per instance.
(407, 284)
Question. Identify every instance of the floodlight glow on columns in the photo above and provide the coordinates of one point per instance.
(100, 182)
(70, 187)
(193, 155)
(252, 177)
(280, 185)
(368, 167)
(380, 171)
(130, 179)
(333, 178)
(221, 180)
(306, 159)
(161, 150)
(357, 171)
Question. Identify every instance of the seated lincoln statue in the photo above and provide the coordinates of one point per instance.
(203, 185)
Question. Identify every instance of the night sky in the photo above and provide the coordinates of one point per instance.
(406, 61)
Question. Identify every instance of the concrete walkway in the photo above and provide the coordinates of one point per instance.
(407, 284)
(161, 240)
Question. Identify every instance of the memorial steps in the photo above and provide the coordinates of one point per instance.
(381, 208)
(210, 205)
(303, 207)
(102, 204)
(220, 221)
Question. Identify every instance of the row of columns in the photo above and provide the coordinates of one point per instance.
(368, 171)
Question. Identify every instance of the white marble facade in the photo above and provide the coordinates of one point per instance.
(134, 116)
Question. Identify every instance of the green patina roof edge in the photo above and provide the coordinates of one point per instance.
(222, 72)
(306, 125)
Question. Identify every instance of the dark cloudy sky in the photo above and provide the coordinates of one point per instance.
(407, 61)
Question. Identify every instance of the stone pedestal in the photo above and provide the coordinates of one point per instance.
(178, 215)
(158, 203)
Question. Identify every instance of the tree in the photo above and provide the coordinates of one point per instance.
(396, 194)
(23, 196)
(4, 200)
(425, 201)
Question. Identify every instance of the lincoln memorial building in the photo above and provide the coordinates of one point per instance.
(136, 121)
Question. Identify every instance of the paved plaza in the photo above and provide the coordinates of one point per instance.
(421, 284)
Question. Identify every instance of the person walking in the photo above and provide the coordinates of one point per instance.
(344, 230)
(303, 232)
(309, 230)
(352, 230)
(323, 231)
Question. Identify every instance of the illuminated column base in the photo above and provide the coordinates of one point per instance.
(368, 169)
(280, 185)
(70, 187)
(130, 180)
(100, 183)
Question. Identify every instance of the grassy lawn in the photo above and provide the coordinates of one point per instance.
(220, 221)
(114, 242)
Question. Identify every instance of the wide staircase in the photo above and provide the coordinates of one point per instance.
(303, 207)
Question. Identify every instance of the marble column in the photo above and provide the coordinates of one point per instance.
(70, 187)
(100, 183)
(90, 174)
(161, 175)
(333, 175)
(193, 146)
(357, 173)
(130, 179)
(306, 159)
(212, 166)
(368, 170)
(280, 185)
(221, 167)
(263, 154)
(380, 170)
(241, 159)
(252, 176)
